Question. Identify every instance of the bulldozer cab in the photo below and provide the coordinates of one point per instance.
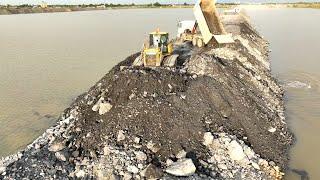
(159, 40)
(157, 52)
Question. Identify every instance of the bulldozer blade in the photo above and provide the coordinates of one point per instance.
(171, 60)
(138, 61)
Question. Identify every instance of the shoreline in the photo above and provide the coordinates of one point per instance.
(54, 9)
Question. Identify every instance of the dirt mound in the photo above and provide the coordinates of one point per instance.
(144, 105)
(232, 93)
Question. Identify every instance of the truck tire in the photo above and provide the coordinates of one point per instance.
(200, 43)
(183, 37)
(194, 41)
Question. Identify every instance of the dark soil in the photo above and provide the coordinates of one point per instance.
(163, 116)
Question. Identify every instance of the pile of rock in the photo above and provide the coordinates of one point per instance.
(232, 159)
(228, 158)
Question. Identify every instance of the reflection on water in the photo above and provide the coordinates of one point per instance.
(301, 80)
(294, 38)
(297, 84)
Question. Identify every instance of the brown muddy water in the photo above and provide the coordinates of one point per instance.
(294, 36)
(46, 60)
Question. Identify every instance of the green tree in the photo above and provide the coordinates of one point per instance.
(157, 4)
(24, 5)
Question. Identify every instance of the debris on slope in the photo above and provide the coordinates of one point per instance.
(218, 115)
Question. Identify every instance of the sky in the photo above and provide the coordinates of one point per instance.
(133, 1)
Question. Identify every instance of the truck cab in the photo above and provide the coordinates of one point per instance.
(184, 26)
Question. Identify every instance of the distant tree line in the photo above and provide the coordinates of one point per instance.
(111, 5)
(156, 4)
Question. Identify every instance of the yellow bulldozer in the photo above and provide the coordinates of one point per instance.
(158, 51)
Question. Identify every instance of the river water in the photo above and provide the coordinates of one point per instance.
(46, 60)
(294, 36)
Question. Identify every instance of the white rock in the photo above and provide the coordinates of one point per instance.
(106, 150)
(95, 107)
(56, 146)
(184, 167)
(127, 176)
(207, 138)
(263, 162)
(60, 156)
(231, 175)
(235, 151)
(121, 136)
(132, 96)
(80, 174)
(255, 165)
(104, 108)
(152, 146)
(222, 166)
(2, 169)
(183, 96)
(133, 169)
(141, 156)
(249, 152)
(122, 67)
(66, 121)
(226, 140)
(218, 158)
(140, 166)
(211, 160)
(37, 146)
(272, 129)
(169, 162)
(136, 140)
(183, 71)
(216, 144)
(258, 78)
(181, 154)
(89, 103)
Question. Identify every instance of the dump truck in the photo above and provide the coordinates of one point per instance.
(207, 28)
(158, 51)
